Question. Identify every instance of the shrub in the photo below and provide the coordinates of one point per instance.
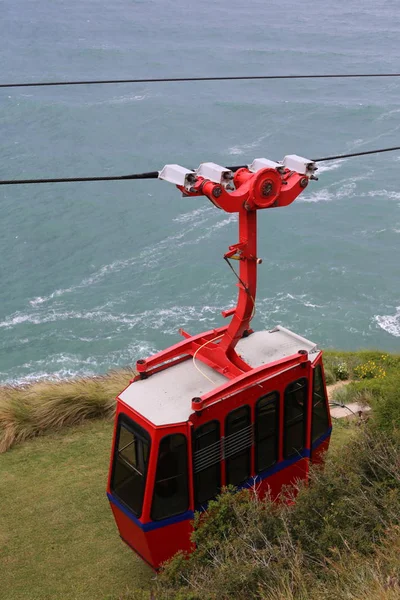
(33, 409)
(369, 370)
(329, 376)
(386, 403)
(259, 549)
(353, 393)
(341, 371)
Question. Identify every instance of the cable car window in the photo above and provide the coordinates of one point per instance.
(295, 417)
(238, 441)
(267, 427)
(206, 462)
(171, 494)
(131, 456)
(320, 419)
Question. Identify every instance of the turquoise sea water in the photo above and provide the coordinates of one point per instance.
(96, 275)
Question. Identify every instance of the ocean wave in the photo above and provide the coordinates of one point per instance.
(370, 232)
(335, 164)
(63, 366)
(243, 148)
(125, 99)
(389, 113)
(282, 303)
(96, 277)
(390, 323)
(323, 195)
(52, 316)
(347, 189)
(152, 318)
(385, 194)
(147, 255)
(194, 214)
(209, 231)
(150, 256)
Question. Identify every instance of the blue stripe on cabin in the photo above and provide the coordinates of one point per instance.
(321, 439)
(189, 514)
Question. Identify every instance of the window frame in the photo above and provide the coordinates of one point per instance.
(318, 368)
(247, 449)
(181, 512)
(276, 435)
(286, 455)
(216, 464)
(141, 434)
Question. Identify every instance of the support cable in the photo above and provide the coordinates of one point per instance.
(194, 79)
(154, 174)
(246, 289)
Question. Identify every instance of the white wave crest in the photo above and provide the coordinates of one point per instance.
(62, 366)
(193, 214)
(242, 148)
(321, 196)
(335, 164)
(149, 256)
(385, 194)
(346, 190)
(86, 282)
(390, 323)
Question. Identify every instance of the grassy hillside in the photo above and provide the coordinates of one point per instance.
(341, 536)
(58, 539)
(31, 410)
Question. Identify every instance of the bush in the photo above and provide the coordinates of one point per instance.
(369, 370)
(301, 550)
(386, 403)
(341, 371)
(329, 376)
(353, 393)
(33, 409)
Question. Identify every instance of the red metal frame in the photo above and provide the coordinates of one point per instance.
(267, 188)
(155, 543)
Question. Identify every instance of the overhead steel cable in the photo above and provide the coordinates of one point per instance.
(337, 156)
(150, 175)
(194, 79)
(154, 174)
(356, 154)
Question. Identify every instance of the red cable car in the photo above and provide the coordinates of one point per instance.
(227, 406)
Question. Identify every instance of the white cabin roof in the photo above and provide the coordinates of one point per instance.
(263, 347)
(166, 397)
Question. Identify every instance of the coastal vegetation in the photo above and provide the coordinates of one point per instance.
(34, 409)
(336, 537)
(340, 539)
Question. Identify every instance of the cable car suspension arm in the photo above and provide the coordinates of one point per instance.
(263, 184)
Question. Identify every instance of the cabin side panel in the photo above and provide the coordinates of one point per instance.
(259, 436)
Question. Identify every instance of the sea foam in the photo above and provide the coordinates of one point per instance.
(390, 323)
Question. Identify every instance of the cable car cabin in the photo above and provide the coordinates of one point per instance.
(227, 406)
(172, 455)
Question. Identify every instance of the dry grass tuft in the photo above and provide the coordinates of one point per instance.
(31, 410)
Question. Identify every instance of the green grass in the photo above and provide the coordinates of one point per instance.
(31, 410)
(58, 538)
(339, 363)
(343, 431)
